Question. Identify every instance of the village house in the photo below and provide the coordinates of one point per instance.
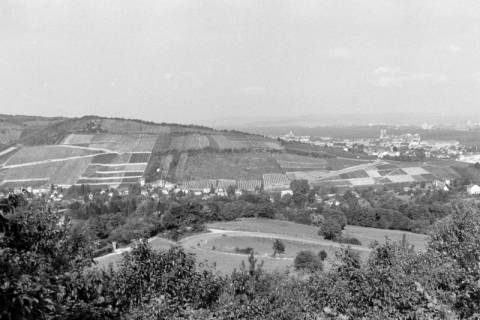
(441, 184)
(473, 189)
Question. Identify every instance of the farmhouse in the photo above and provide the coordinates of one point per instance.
(473, 189)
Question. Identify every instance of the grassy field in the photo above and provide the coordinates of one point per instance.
(226, 262)
(262, 246)
(219, 249)
(369, 235)
(268, 226)
(365, 235)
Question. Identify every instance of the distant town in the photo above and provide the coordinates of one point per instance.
(409, 146)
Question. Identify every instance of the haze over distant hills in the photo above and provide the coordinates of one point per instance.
(345, 119)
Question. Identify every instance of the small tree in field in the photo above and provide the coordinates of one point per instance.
(278, 247)
(322, 254)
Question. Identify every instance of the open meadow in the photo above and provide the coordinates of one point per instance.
(221, 245)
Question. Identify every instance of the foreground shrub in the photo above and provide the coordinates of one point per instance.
(278, 247)
(247, 250)
(349, 240)
(308, 261)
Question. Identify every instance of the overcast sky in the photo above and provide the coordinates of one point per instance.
(192, 61)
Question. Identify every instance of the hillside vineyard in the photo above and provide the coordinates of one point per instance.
(117, 153)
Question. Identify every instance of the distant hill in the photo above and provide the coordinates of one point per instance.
(118, 152)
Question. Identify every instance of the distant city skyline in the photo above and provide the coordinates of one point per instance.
(201, 61)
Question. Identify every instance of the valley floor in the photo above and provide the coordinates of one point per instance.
(219, 246)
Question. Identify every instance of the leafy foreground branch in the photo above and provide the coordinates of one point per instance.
(46, 273)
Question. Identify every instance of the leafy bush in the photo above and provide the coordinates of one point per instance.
(308, 261)
(278, 247)
(349, 240)
(322, 254)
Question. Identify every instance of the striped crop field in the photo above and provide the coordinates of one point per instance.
(401, 178)
(181, 166)
(114, 168)
(109, 181)
(248, 185)
(130, 180)
(11, 184)
(128, 127)
(121, 167)
(354, 174)
(244, 141)
(361, 181)
(104, 158)
(162, 143)
(225, 165)
(183, 142)
(222, 142)
(133, 174)
(275, 180)
(199, 185)
(121, 158)
(60, 172)
(165, 162)
(69, 172)
(293, 162)
(392, 172)
(6, 154)
(139, 157)
(415, 171)
(44, 153)
(144, 143)
(312, 176)
(79, 139)
(225, 183)
(122, 143)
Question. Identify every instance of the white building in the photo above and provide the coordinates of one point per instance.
(473, 189)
